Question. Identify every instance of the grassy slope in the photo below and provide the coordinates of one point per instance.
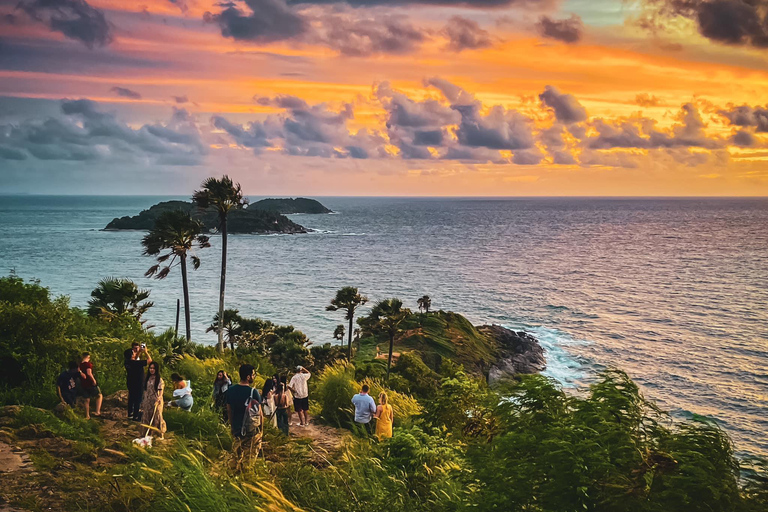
(436, 336)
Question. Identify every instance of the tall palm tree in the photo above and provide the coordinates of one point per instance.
(223, 196)
(114, 297)
(347, 299)
(178, 233)
(425, 303)
(388, 315)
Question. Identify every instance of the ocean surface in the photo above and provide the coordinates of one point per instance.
(673, 291)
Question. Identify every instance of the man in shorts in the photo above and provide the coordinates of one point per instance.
(298, 387)
(89, 388)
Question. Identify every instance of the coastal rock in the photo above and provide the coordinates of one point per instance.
(519, 353)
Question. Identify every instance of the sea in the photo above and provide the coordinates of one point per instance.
(672, 291)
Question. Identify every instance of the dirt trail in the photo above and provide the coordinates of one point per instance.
(325, 438)
(14, 459)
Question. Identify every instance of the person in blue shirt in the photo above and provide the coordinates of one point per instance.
(365, 408)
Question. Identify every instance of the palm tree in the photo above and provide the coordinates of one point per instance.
(223, 196)
(387, 316)
(338, 333)
(114, 297)
(425, 303)
(348, 299)
(178, 233)
(231, 325)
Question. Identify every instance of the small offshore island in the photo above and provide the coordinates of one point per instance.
(267, 216)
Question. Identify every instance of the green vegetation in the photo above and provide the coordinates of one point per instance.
(113, 297)
(288, 205)
(245, 220)
(347, 299)
(458, 444)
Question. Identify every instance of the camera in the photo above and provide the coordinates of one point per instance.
(143, 345)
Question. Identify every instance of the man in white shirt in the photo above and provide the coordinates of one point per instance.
(298, 387)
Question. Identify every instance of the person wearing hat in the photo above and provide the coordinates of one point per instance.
(298, 387)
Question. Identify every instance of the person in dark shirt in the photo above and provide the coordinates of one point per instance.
(238, 395)
(89, 388)
(66, 384)
(134, 368)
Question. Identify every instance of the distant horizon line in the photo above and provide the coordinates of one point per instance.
(30, 194)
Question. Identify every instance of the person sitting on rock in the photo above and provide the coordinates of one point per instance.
(182, 393)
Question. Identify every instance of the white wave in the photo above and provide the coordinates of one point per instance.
(562, 365)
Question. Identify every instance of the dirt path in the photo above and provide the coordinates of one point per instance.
(325, 438)
(13, 460)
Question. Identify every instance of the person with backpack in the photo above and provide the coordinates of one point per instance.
(244, 405)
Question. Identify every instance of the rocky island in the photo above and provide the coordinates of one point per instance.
(262, 217)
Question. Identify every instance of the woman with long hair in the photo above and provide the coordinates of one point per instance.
(220, 387)
(384, 418)
(152, 403)
(282, 406)
(268, 402)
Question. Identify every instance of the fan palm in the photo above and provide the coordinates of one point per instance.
(223, 196)
(425, 303)
(179, 234)
(115, 297)
(387, 316)
(347, 299)
(230, 326)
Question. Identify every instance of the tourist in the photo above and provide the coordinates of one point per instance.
(268, 402)
(134, 370)
(66, 384)
(240, 398)
(384, 418)
(298, 387)
(152, 402)
(365, 408)
(282, 407)
(182, 393)
(220, 387)
(89, 388)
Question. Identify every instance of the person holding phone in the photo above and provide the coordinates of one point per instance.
(134, 369)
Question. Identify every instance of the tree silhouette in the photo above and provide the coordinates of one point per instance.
(179, 234)
(425, 303)
(223, 196)
(347, 299)
(338, 333)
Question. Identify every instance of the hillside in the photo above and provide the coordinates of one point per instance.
(248, 220)
(287, 206)
(491, 351)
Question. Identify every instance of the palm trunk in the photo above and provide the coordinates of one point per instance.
(349, 346)
(391, 348)
(186, 294)
(220, 345)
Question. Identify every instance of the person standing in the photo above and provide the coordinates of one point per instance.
(134, 372)
(220, 387)
(268, 402)
(152, 402)
(240, 398)
(300, 390)
(365, 408)
(384, 418)
(89, 388)
(282, 407)
(66, 384)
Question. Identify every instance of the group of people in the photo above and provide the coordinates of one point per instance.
(366, 411)
(247, 409)
(77, 383)
(243, 406)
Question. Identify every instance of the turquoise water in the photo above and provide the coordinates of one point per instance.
(671, 290)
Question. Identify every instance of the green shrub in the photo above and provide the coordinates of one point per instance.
(333, 390)
(69, 425)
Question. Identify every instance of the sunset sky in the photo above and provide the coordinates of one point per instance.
(376, 97)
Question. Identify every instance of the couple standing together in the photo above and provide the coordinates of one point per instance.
(366, 411)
